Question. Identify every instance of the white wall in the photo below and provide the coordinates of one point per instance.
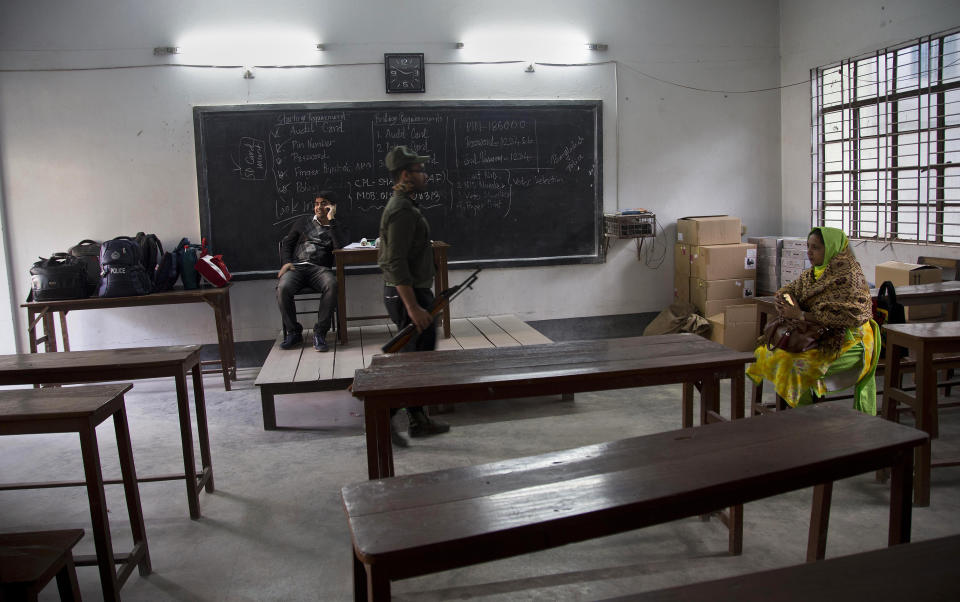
(95, 154)
(814, 33)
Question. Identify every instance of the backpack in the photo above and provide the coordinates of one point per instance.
(62, 276)
(166, 274)
(187, 255)
(88, 252)
(121, 269)
(151, 250)
(886, 310)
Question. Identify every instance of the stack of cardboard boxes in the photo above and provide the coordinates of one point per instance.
(793, 259)
(715, 271)
(768, 263)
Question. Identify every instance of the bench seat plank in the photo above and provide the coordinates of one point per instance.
(917, 572)
(518, 506)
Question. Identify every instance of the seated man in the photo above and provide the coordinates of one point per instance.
(307, 255)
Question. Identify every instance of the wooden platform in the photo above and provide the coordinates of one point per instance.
(304, 370)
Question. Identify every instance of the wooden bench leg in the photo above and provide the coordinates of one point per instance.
(563, 396)
(686, 412)
(378, 586)
(901, 500)
(819, 522)
(359, 579)
(269, 409)
(67, 580)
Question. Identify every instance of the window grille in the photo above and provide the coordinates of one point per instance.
(886, 142)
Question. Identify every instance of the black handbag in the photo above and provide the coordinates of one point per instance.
(60, 277)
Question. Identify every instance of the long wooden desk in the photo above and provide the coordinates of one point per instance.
(217, 298)
(498, 510)
(79, 410)
(924, 571)
(433, 377)
(123, 365)
(368, 255)
(923, 341)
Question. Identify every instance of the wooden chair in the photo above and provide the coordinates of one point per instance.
(28, 561)
(308, 294)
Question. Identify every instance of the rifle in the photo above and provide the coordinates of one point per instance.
(439, 304)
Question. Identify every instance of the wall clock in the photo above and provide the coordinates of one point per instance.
(404, 72)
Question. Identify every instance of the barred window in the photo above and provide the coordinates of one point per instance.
(886, 142)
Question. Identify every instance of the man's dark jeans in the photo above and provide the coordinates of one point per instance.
(320, 279)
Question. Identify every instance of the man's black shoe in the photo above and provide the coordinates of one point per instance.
(423, 426)
(320, 342)
(292, 340)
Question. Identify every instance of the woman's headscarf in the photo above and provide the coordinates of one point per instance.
(834, 242)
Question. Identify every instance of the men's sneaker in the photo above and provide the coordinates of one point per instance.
(422, 425)
(292, 340)
(320, 342)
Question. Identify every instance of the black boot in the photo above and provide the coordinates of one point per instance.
(422, 425)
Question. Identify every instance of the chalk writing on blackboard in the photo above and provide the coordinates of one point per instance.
(498, 173)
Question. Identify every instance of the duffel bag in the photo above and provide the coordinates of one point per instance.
(61, 276)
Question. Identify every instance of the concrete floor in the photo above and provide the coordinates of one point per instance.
(275, 530)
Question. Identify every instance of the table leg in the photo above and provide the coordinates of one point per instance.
(199, 400)
(341, 301)
(49, 332)
(901, 494)
(379, 447)
(378, 586)
(709, 398)
(737, 383)
(98, 512)
(686, 412)
(359, 579)
(131, 490)
(67, 584)
(925, 408)
(819, 522)
(64, 335)
(32, 328)
(269, 409)
(186, 441)
(224, 321)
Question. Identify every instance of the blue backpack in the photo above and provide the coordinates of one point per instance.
(121, 270)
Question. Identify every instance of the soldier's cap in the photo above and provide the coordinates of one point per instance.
(401, 156)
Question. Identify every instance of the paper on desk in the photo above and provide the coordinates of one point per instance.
(357, 245)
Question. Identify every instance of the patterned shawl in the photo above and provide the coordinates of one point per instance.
(839, 299)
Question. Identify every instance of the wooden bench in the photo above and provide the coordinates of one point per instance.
(424, 523)
(29, 561)
(303, 370)
(108, 365)
(919, 572)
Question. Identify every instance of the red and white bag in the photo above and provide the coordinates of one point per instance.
(212, 267)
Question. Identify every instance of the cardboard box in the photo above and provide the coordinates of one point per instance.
(681, 288)
(719, 305)
(724, 262)
(904, 274)
(682, 256)
(708, 230)
(795, 243)
(736, 327)
(770, 243)
(703, 291)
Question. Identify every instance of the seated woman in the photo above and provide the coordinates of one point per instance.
(833, 293)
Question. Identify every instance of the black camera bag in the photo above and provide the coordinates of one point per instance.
(88, 252)
(60, 277)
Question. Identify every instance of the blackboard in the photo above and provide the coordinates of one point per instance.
(511, 183)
